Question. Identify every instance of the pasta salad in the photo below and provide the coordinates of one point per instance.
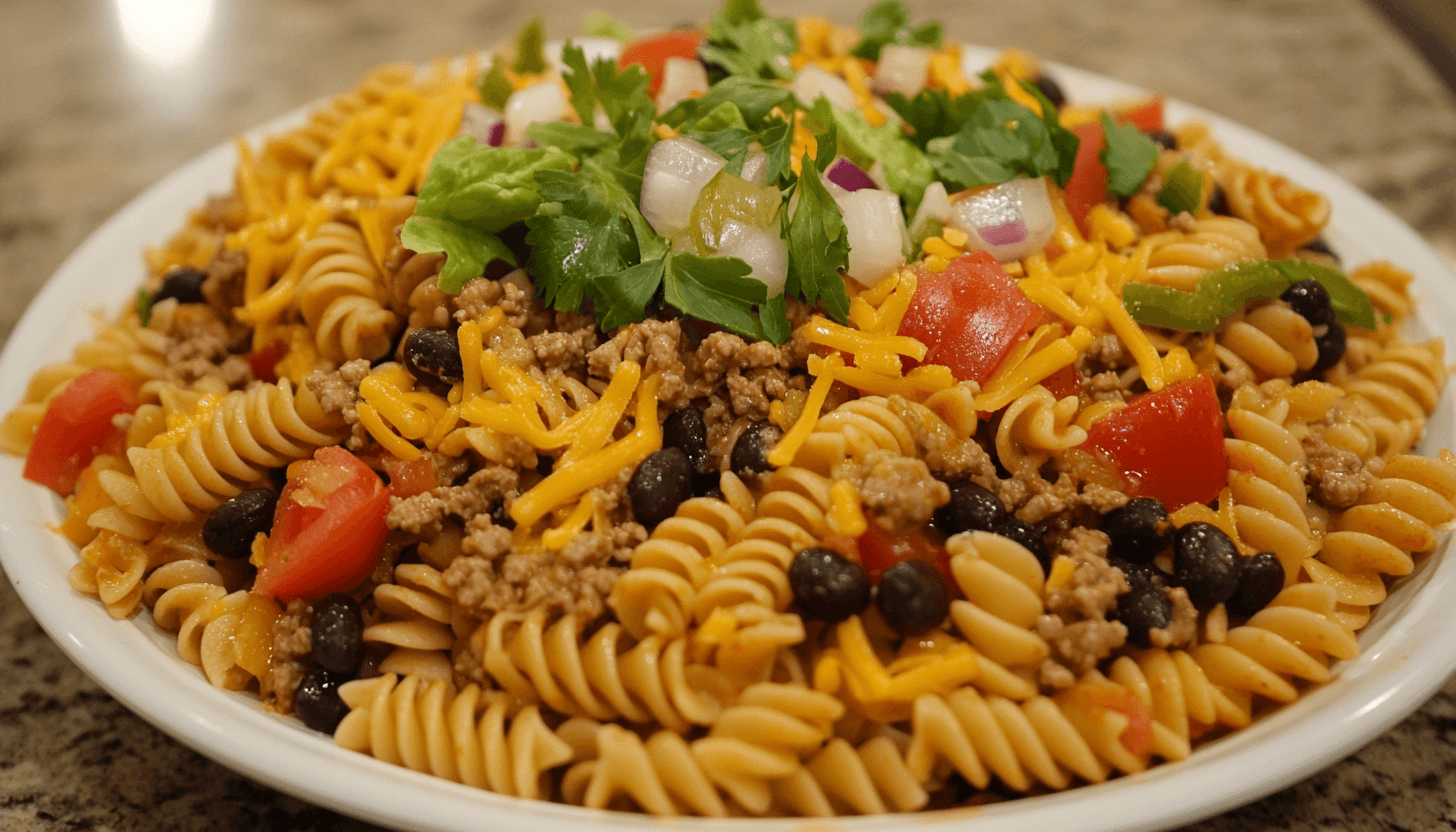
(764, 418)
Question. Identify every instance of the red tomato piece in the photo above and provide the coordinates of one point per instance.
(1087, 186)
(1167, 445)
(265, 361)
(1146, 117)
(653, 51)
(1137, 737)
(879, 551)
(1064, 382)
(406, 479)
(76, 424)
(328, 528)
(969, 316)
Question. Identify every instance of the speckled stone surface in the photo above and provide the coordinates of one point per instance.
(86, 126)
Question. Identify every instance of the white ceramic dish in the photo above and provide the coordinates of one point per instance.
(1407, 652)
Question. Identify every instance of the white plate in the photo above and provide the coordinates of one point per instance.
(1407, 652)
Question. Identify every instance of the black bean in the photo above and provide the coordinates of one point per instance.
(1141, 609)
(708, 485)
(317, 701)
(184, 284)
(545, 464)
(1139, 530)
(913, 597)
(1205, 563)
(1319, 245)
(1262, 579)
(827, 587)
(686, 430)
(1163, 139)
(1139, 574)
(971, 508)
(1027, 535)
(1331, 344)
(1218, 202)
(1311, 301)
(434, 353)
(338, 635)
(500, 517)
(750, 452)
(229, 530)
(661, 483)
(1052, 90)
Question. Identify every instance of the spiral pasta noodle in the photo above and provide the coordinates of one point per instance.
(1286, 215)
(226, 634)
(1178, 259)
(341, 295)
(417, 629)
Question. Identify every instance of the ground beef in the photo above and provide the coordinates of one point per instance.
(564, 351)
(292, 646)
(476, 299)
(1336, 477)
(489, 578)
(752, 391)
(338, 391)
(654, 345)
(1184, 626)
(223, 288)
(899, 491)
(424, 513)
(1036, 499)
(1076, 624)
(200, 355)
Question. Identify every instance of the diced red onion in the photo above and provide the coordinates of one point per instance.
(497, 135)
(814, 81)
(874, 228)
(682, 78)
(542, 101)
(675, 173)
(484, 124)
(1012, 220)
(761, 249)
(848, 175)
(901, 69)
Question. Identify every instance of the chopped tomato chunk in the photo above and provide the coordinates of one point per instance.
(653, 51)
(1167, 445)
(1147, 117)
(1087, 186)
(407, 479)
(264, 362)
(77, 422)
(879, 551)
(969, 316)
(328, 529)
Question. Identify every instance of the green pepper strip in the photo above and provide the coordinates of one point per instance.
(1224, 291)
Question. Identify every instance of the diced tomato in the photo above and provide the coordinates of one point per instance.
(1064, 382)
(1137, 737)
(1087, 186)
(406, 479)
(879, 551)
(328, 528)
(653, 51)
(1167, 445)
(76, 424)
(969, 316)
(265, 361)
(1147, 117)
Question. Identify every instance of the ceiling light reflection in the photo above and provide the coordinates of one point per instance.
(165, 34)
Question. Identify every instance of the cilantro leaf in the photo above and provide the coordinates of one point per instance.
(1129, 155)
(530, 48)
(773, 317)
(1182, 189)
(715, 289)
(494, 86)
(818, 244)
(746, 42)
(933, 113)
(621, 95)
(725, 132)
(1002, 139)
(623, 297)
(470, 194)
(888, 22)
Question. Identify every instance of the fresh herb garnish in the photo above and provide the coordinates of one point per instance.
(1129, 155)
(716, 289)
(144, 307)
(1223, 292)
(933, 113)
(494, 87)
(888, 22)
(746, 42)
(1001, 140)
(599, 24)
(531, 49)
(1182, 189)
(817, 241)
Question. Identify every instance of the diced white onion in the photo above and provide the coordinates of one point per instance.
(682, 78)
(676, 171)
(873, 225)
(595, 49)
(544, 100)
(761, 249)
(755, 166)
(1012, 220)
(934, 205)
(481, 123)
(814, 81)
(901, 69)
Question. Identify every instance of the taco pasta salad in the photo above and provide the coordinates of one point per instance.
(764, 418)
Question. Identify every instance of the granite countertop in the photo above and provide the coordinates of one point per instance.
(88, 124)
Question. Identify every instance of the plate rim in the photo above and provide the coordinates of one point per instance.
(233, 730)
